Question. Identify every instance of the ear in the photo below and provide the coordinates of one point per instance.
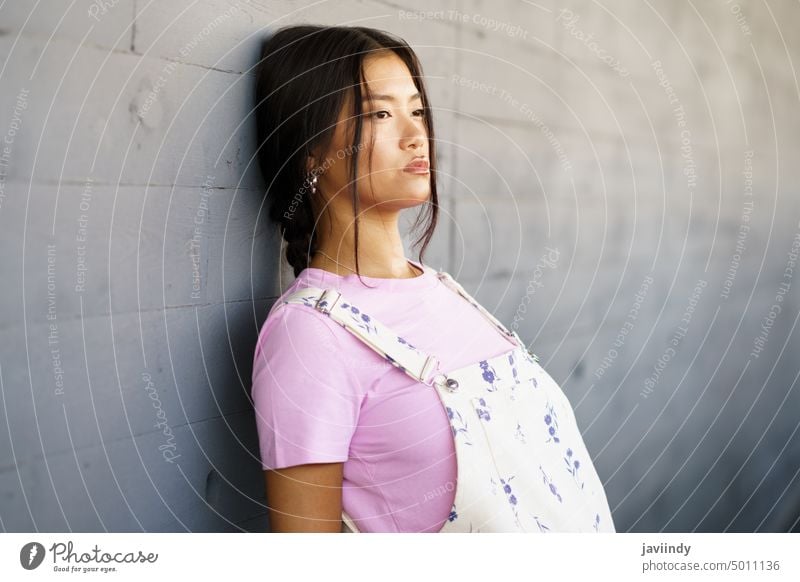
(310, 163)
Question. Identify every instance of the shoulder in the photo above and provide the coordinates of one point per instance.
(296, 323)
(295, 335)
(301, 355)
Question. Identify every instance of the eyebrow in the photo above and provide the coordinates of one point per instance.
(390, 98)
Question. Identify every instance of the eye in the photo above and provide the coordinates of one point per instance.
(377, 114)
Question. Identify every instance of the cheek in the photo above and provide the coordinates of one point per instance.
(384, 161)
(338, 171)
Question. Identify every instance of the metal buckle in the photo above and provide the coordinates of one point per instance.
(430, 362)
(325, 303)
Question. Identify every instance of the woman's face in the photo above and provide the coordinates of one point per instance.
(397, 118)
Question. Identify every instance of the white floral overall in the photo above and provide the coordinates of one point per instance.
(522, 465)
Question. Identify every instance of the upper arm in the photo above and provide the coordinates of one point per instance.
(305, 498)
(307, 399)
(307, 403)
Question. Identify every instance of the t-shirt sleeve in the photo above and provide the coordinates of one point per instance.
(306, 399)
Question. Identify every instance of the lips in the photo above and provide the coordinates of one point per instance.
(418, 166)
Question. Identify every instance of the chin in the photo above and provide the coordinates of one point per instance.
(410, 200)
(417, 198)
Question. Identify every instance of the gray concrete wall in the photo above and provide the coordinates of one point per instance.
(619, 183)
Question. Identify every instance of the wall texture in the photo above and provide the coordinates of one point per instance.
(619, 183)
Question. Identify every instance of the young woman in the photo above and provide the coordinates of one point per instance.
(386, 398)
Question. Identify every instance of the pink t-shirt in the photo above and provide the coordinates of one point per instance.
(321, 395)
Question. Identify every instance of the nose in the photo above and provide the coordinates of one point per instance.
(415, 133)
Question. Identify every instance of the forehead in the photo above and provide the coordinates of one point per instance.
(387, 75)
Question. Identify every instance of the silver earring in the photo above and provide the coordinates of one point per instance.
(312, 182)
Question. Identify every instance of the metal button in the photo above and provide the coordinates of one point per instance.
(452, 384)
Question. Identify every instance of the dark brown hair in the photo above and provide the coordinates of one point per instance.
(303, 80)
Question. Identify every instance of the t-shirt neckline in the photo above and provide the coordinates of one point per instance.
(321, 277)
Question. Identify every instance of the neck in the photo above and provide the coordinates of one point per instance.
(380, 250)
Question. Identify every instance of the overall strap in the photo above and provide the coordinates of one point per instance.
(512, 336)
(381, 338)
(394, 348)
